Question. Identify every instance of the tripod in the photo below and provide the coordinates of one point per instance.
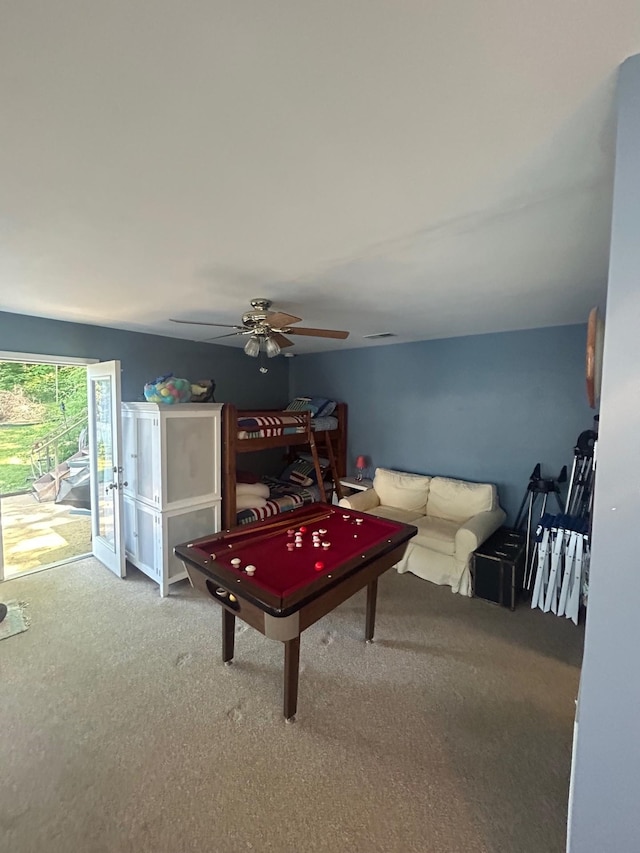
(580, 494)
(538, 487)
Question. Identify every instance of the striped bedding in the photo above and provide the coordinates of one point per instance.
(289, 423)
(283, 497)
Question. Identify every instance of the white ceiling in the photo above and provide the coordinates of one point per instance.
(424, 168)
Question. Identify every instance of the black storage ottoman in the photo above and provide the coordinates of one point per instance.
(497, 568)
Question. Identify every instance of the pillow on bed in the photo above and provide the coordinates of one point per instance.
(249, 502)
(299, 473)
(260, 490)
(319, 407)
(302, 404)
(325, 407)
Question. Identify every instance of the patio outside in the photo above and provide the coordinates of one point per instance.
(44, 477)
(37, 535)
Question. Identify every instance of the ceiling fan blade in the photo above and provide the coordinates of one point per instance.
(230, 335)
(318, 333)
(279, 320)
(281, 340)
(201, 323)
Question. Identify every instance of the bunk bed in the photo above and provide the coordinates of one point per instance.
(253, 431)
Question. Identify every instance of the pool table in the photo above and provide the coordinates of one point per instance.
(282, 574)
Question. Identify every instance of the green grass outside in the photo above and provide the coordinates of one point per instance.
(51, 395)
(15, 456)
(15, 453)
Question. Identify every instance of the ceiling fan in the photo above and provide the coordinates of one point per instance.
(267, 329)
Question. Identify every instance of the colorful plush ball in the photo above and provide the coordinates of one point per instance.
(168, 389)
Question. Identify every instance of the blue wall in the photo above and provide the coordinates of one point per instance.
(484, 408)
(603, 807)
(144, 357)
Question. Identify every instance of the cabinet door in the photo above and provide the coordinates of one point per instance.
(130, 530)
(148, 534)
(190, 459)
(148, 475)
(183, 526)
(129, 452)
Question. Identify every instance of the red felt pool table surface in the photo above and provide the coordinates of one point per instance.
(282, 572)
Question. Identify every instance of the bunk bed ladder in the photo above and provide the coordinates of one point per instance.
(333, 467)
(316, 465)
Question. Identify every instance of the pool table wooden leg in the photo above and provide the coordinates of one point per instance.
(370, 624)
(228, 635)
(291, 670)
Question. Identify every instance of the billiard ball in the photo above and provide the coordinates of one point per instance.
(236, 562)
(319, 566)
(250, 570)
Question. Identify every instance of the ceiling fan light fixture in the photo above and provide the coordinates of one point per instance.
(272, 347)
(252, 347)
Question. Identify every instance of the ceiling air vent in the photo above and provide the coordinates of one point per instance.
(377, 335)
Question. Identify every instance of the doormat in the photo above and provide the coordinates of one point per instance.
(16, 621)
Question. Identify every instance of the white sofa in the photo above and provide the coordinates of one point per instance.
(453, 518)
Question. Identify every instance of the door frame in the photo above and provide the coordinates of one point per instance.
(108, 549)
(37, 358)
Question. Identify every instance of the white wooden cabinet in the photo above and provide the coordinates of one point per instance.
(171, 482)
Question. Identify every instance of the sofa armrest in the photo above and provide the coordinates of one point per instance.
(476, 530)
(361, 501)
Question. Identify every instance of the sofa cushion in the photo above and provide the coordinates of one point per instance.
(395, 514)
(457, 500)
(437, 534)
(403, 491)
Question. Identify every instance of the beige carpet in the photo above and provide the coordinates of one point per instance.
(122, 732)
